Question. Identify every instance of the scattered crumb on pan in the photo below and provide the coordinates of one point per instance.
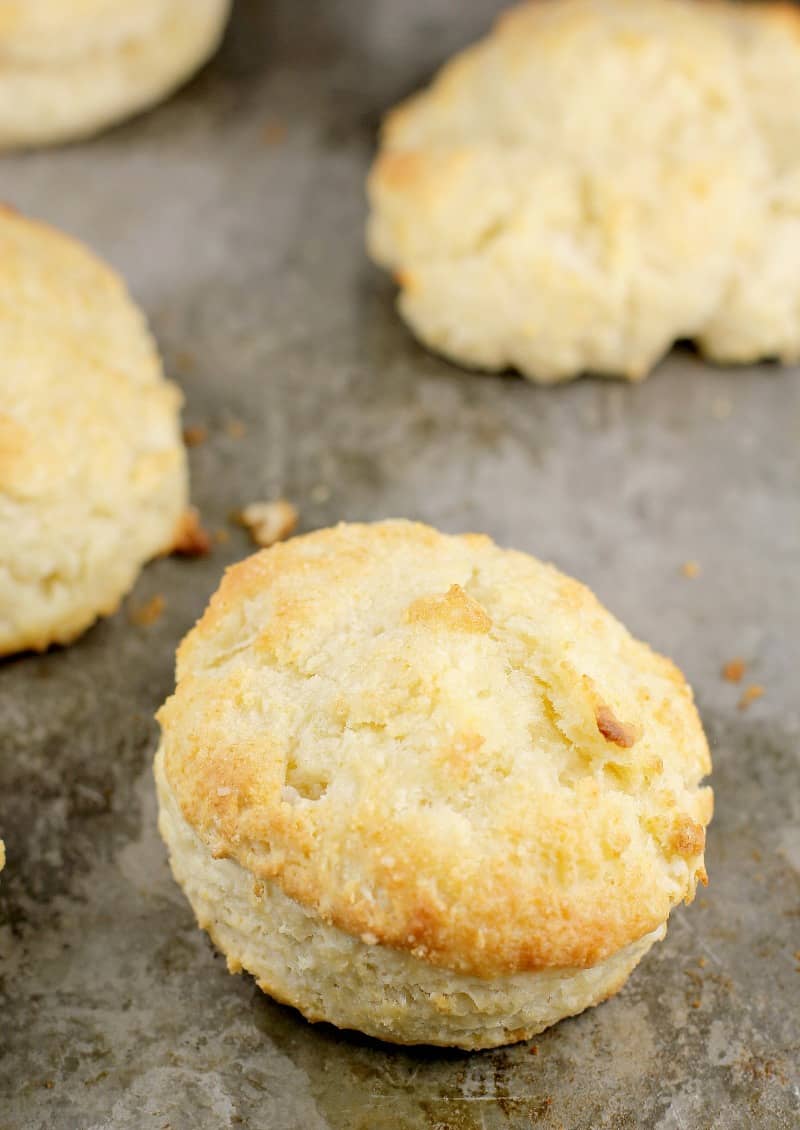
(269, 522)
(733, 671)
(234, 428)
(750, 694)
(691, 569)
(184, 361)
(143, 615)
(192, 540)
(194, 435)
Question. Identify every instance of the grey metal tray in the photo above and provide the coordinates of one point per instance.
(236, 213)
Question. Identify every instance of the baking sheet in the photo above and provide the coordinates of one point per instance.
(236, 213)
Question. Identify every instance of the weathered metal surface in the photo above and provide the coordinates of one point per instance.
(236, 212)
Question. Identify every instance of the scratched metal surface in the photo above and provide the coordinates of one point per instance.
(236, 212)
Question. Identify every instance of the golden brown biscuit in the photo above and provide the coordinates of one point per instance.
(426, 787)
(93, 478)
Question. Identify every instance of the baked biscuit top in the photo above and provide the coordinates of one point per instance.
(441, 746)
(85, 410)
(595, 180)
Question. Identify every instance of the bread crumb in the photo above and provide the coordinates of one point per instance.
(274, 132)
(533, 1049)
(733, 671)
(235, 429)
(221, 536)
(191, 539)
(269, 522)
(750, 694)
(149, 612)
(184, 361)
(691, 569)
(194, 435)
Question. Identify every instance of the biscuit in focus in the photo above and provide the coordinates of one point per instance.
(428, 788)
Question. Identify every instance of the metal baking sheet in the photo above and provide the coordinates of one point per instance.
(236, 213)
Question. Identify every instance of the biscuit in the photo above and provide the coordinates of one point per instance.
(532, 221)
(93, 478)
(427, 788)
(68, 70)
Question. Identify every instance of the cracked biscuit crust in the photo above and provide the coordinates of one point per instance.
(93, 475)
(441, 746)
(534, 220)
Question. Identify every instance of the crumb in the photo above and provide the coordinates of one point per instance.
(149, 612)
(194, 435)
(274, 132)
(701, 961)
(320, 492)
(691, 569)
(695, 1004)
(750, 694)
(191, 539)
(721, 408)
(184, 361)
(235, 428)
(756, 856)
(221, 536)
(269, 522)
(533, 1049)
(733, 671)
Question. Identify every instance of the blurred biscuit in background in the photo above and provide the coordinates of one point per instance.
(69, 68)
(595, 180)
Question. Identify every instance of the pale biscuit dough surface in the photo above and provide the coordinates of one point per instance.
(595, 180)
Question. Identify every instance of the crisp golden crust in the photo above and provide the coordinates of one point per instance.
(531, 221)
(401, 729)
(92, 467)
(354, 983)
(69, 69)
